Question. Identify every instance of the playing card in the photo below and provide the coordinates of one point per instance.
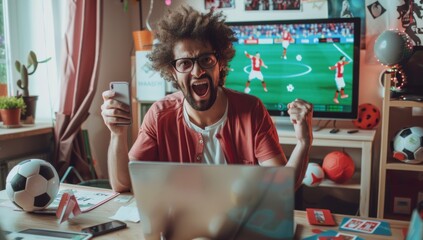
(320, 217)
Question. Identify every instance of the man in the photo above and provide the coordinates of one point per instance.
(286, 40)
(203, 122)
(255, 72)
(339, 78)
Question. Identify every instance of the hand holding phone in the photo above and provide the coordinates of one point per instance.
(104, 228)
(123, 95)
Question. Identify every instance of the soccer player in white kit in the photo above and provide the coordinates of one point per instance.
(339, 78)
(256, 64)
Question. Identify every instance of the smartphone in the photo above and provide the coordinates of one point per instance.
(104, 228)
(122, 94)
(35, 234)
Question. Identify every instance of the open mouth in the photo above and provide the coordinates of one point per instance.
(200, 88)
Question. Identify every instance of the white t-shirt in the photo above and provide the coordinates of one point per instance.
(213, 153)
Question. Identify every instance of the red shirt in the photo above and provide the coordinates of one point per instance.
(247, 137)
(256, 63)
(339, 66)
(286, 36)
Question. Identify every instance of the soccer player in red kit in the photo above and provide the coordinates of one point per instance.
(256, 64)
(339, 78)
(286, 40)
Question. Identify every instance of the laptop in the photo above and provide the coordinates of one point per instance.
(198, 201)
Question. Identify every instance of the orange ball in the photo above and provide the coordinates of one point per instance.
(338, 166)
(368, 116)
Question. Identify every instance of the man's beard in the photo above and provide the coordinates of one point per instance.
(203, 105)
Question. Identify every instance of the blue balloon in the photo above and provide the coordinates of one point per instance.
(393, 47)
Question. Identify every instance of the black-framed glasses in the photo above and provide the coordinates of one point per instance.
(185, 65)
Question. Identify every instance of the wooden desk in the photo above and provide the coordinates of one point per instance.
(11, 220)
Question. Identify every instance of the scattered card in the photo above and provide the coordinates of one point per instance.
(345, 236)
(68, 207)
(366, 226)
(330, 238)
(317, 216)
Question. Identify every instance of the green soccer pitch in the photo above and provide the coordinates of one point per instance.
(311, 78)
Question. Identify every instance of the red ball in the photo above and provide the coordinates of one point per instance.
(368, 116)
(338, 166)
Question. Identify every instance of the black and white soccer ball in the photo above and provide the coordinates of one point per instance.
(32, 184)
(408, 145)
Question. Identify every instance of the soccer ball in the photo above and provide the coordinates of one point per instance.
(338, 166)
(32, 184)
(368, 116)
(408, 145)
(299, 58)
(290, 88)
(314, 175)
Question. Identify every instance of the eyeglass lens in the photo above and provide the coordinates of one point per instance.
(205, 61)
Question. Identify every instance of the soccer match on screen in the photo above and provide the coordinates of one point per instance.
(279, 62)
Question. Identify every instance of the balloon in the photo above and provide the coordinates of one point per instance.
(393, 47)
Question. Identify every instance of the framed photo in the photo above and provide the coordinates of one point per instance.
(208, 4)
(272, 5)
(348, 9)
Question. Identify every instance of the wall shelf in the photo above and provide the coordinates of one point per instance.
(362, 140)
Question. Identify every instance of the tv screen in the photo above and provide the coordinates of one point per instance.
(304, 59)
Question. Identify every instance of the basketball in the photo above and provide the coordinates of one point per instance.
(338, 166)
(368, 116)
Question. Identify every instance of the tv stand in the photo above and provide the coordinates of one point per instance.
(288, 126)
(361, 140)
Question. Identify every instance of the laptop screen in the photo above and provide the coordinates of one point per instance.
(188, 201)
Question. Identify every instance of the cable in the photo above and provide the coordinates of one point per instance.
(147, 23)
(321, 127)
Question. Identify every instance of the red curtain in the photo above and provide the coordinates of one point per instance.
(78, 84)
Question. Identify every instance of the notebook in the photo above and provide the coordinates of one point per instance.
(188, 201)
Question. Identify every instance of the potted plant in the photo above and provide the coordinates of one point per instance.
(10, 110)
(26, 70)
(3, 89)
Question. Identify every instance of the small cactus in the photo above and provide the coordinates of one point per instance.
(26, 70)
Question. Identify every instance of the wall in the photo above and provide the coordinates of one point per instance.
(115, 65)
(117, 48)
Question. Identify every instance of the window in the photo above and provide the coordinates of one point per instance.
(3, 71)
(33, 26)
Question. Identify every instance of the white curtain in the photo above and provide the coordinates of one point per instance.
(38, 26)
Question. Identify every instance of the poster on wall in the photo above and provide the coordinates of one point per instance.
(272, 5)
(404, 15)
(348, 9)
(150, 85)
(219, 4)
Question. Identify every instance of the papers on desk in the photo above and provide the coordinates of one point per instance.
(87, 199)
(127, 213)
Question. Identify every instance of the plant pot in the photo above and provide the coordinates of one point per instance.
(11, 117)
(3, 92)
(28, 117)
(143, 40)
(3, 89)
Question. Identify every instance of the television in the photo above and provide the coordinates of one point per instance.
(307, 71)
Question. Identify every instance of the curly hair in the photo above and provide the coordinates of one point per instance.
(187, 23)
